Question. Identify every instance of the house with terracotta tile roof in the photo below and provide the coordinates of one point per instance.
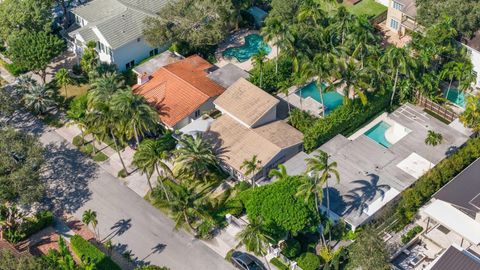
(249, 127)
(181, 91)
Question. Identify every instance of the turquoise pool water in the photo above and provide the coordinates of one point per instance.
(456, 97)
(377, 133)
(331, 99)
(253, 44)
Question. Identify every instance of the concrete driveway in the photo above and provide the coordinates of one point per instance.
(76, 183)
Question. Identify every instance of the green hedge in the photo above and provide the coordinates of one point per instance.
(41, 220)
(292, 248)
(279, 264)
(83, 248)
(344, 120)
(417, 195)
(309, 261)
(411, 234)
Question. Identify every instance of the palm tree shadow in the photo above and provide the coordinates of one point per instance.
(155, 250)
(358, 198)
(119, 228)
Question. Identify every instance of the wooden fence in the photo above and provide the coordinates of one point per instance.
(438, 109)
(379, 18)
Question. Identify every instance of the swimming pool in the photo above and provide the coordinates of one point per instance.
(331, 99)
(455, 96)
(377, 133)
(253, 44)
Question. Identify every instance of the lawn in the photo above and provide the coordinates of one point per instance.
(366, 7)
(74, 90)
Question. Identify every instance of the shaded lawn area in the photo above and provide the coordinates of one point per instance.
(366, 7)
(74, 90)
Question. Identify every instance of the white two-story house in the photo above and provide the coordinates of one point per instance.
(116, 27)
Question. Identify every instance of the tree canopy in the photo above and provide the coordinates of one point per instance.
(368, 252)
(280, 208)
(21, 159)
(25, 16)
(465, 13)
(196, 22)
(35, 50)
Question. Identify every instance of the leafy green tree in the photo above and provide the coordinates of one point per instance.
(433, 138)
(103, 87)
(351, 78)
(140, 117)
(368, 251)
(21, 161)
(197, 23)
(150, 157)
(194, 157)
(397, 59)
(255, 237)
(251, 168)
(471, 116)
(90, 217)
(11, 262)
(280, 173)
(63, 79)
(89, 59)
(39, 99)
(277, 204)
(14, 20)
(34, 51)
(343, 22)
(7, 106)
(61, 258)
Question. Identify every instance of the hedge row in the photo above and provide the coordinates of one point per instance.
(344, 120)
(41, 220)
(411, 234)
(13, 68)
(84, 249)
(423, 189)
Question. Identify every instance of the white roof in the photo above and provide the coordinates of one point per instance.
(415, 165)
(381, 201)
(452, 218)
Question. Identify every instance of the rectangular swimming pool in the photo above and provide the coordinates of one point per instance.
(377, 133)
(331, 99)
(455, 96)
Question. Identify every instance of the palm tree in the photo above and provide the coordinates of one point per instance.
(63, 79)
(104, 87)
(284, 88)
(433, 138)
(251, 167)
(90, 57)
(280, 173)
(272, 32)
(77, 112)
(343, 21)
(352, 81)
(398, 60)
(187, 206)
(471, 116)
(364, 39)
(259, 58)
(255, 237)
(194, 157)
(38, 99)
(150, 157)
(322, 68)
(140, 117)
(90, 217)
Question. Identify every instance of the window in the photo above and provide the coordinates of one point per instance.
(153, 52)
(197, 113)
(138, 39)
(397, 6)
(394, 24)
(130, 64)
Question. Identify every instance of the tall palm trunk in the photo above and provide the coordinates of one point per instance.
(276, 62)
(261, 74)
(187, 220)
(118, 151)
(449, 86)
(161, 184)
(288, 102)
(394, 86)
(135, 131)
(328, 210)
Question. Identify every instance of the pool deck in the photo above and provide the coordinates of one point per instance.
(366, 166)
(238, 39)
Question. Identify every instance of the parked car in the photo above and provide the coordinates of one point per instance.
(245, 261)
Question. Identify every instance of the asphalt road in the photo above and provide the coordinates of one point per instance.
(77, 184)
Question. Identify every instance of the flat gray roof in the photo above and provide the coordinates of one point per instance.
(149, 67)
(368, 170)
(228, 74)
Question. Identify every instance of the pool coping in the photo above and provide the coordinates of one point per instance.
(368, 126)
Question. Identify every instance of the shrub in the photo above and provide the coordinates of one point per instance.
(411, 234)
(343, 120)
(77, 69)
(292, 248)
(122, 173)
(271, 82)
(229, 255)
(41, 220)
(417, 195)
(279, 264)
(309, 261)
(77, 141)
(87, 149)
(84, 249)
(99, 157)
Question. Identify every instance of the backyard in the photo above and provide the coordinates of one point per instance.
(370, 8)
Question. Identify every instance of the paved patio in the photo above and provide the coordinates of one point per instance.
(393, 38)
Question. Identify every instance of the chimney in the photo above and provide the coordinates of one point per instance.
(142, 79)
